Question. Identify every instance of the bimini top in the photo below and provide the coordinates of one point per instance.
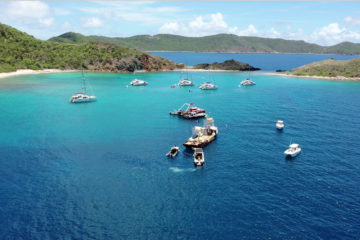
(280, 121)
(294, 145)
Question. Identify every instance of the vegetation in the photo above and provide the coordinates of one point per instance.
(330, 68)
(227, 65)
(19, 50)
(215, 43)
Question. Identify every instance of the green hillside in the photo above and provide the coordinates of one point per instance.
(215, 43)
(330, 68)
(19, 50)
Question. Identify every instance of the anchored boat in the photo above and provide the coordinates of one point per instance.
(280, 125)
(82, 97)
(208, 86)
(138, 82)
(185, 81)
(173, 151)
(247, 82)
(293, 150)
(189, 111)
(204, 135)
(199, 157)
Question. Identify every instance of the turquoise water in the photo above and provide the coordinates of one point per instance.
(98, 170)
(265, 61)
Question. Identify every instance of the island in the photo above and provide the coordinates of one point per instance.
(327, 69)
(228, 65)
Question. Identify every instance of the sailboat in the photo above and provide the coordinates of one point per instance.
(185, 81)
(138, 82)
(82, 97)
(247, 82)
(208, 85)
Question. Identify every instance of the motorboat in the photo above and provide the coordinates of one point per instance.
(208, 86)
(280, 125)
(199, 157)
(173, 151)
(204, 135)
(82, 97)
(293, 150)
(185, 82)
(138, 82)
(247, 82)
(189, 111)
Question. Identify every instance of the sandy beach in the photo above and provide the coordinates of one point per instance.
(338, 78)
(30, 72)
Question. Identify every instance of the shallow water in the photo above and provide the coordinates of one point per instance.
(99, 171)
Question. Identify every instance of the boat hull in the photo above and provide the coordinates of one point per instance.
(85, 100)
(292, 154)
(199, 143)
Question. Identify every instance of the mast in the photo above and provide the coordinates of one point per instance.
(83, 79)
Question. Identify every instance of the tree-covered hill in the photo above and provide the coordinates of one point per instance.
(19, 50)
(227, 65)
(330, 68)
(215, 43)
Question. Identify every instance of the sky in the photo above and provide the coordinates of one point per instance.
(324, 23)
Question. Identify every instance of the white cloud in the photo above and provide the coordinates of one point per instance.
(92, 22)
(200, 26)
(28, 12)
(352, 21)
(134, 11)
(274, 34)
(333, 34)
(46, 21)
(249, 31)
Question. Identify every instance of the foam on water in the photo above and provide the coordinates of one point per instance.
(181, 170)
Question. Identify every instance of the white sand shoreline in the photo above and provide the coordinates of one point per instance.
(20, 72)
(338, 78)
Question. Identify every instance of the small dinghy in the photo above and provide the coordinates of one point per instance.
(293, 150)
(280, 125)
(173, 151)
(199, 158)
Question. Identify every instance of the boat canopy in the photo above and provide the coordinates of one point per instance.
(294, 145)
(280, 121)
(198, 150)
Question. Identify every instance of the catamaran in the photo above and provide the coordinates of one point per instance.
(247, 82)
(208, 86)
(185, 81)
(137, 81)
(82, 97)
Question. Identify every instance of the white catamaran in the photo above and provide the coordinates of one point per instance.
(82, 97)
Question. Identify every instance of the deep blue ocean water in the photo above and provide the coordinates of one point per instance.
(99, 171)
(265, 61)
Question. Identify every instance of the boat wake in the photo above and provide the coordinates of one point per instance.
(181, 170)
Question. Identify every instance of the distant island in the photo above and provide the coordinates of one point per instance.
(21, 51)
(231, 65)
(216, 43)
(328, 69)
